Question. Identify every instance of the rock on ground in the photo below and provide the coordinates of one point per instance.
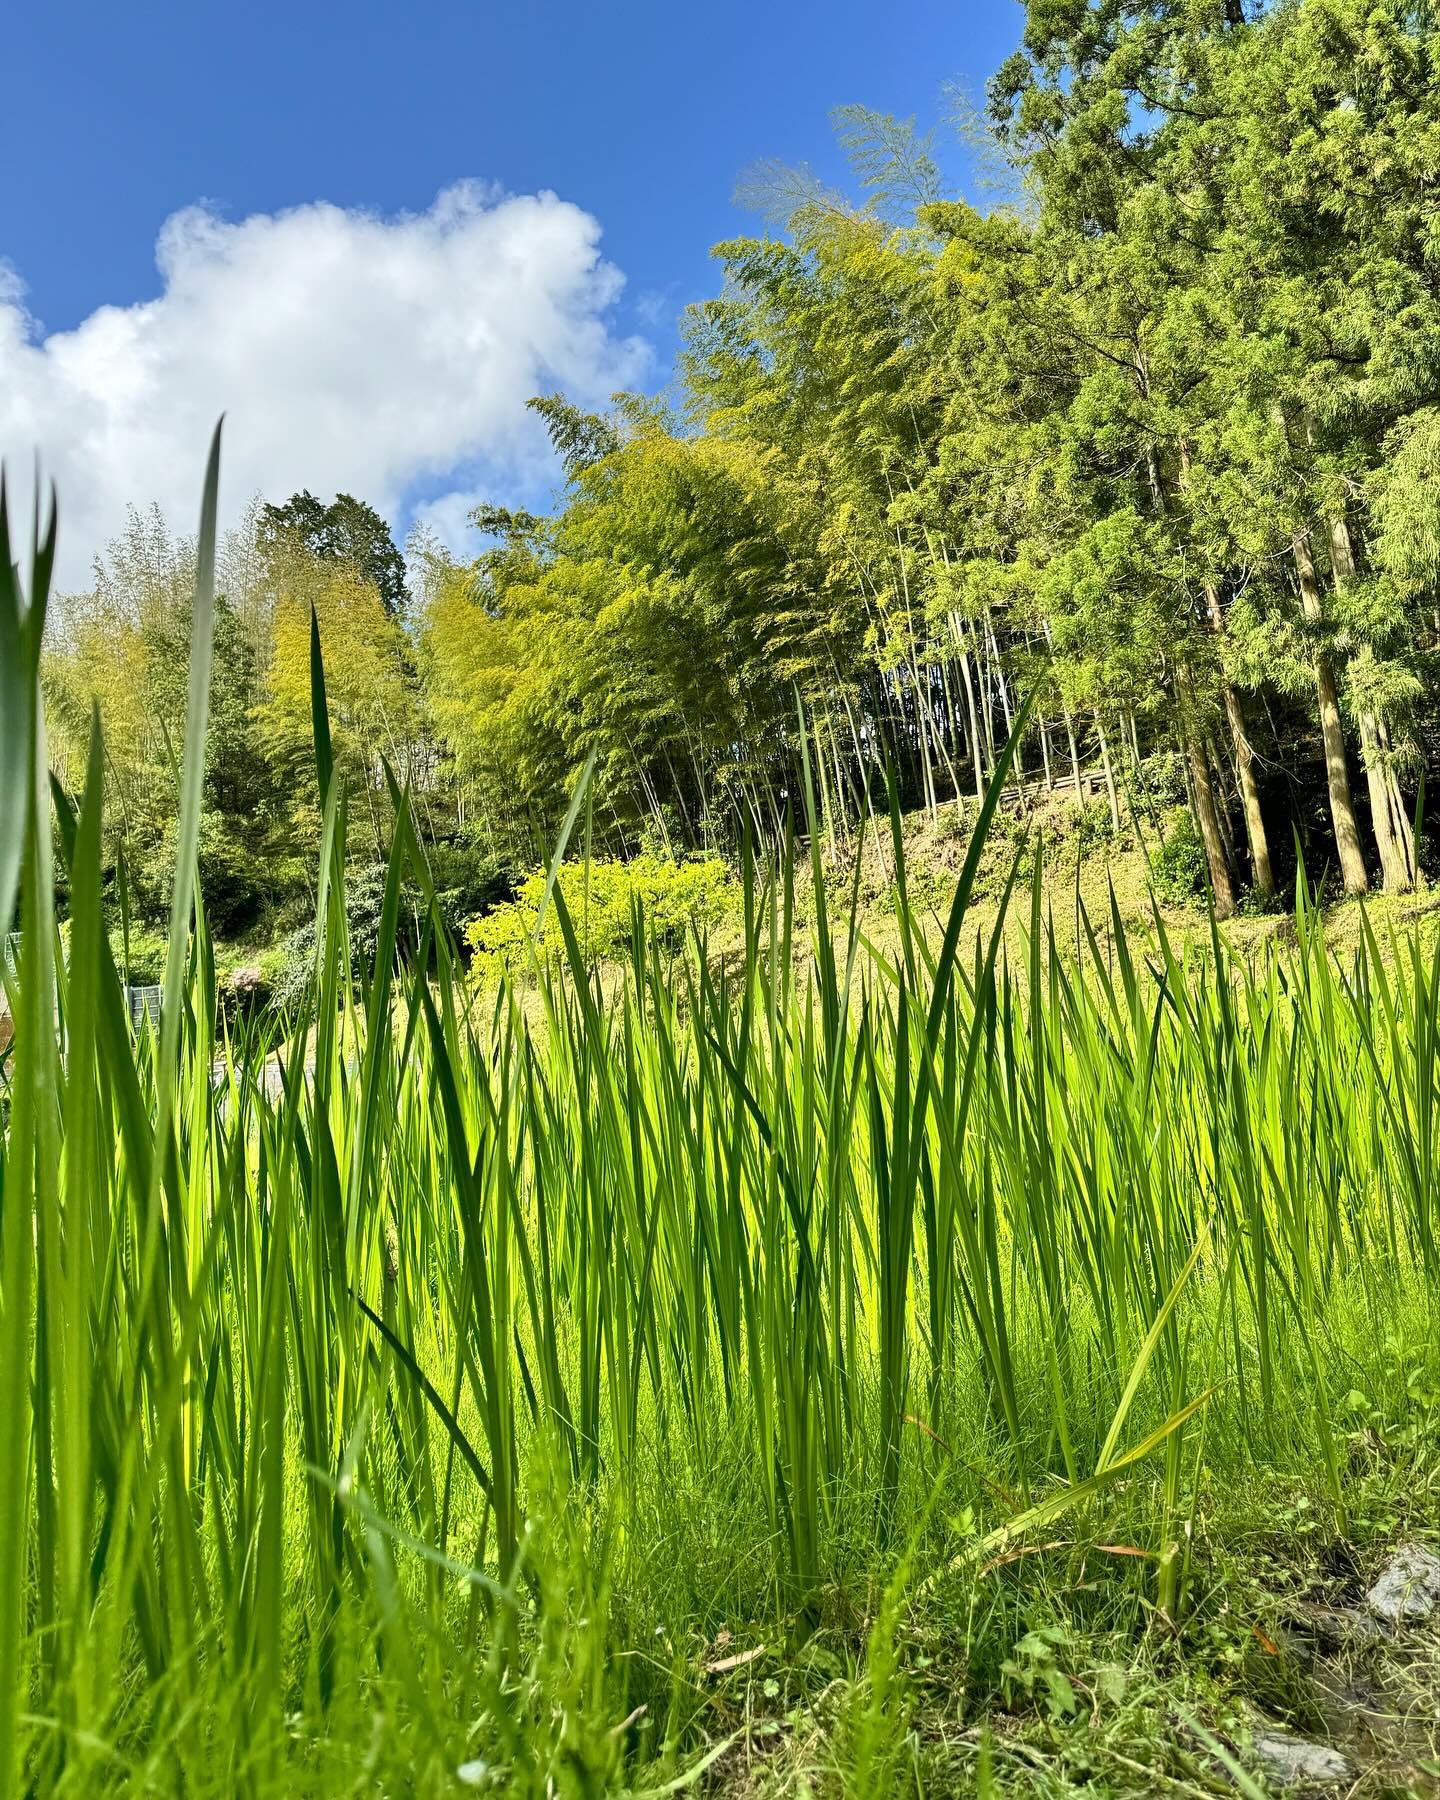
(1291, 1762)
(1408, 1590)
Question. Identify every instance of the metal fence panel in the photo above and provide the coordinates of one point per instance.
(143, 1003)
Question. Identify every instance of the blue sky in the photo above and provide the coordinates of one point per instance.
(641, 117)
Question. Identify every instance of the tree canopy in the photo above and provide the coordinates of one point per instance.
(348, 531)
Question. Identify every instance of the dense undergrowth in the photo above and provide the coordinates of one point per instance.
(903, 1368)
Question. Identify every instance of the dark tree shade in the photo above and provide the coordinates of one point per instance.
(348, 530)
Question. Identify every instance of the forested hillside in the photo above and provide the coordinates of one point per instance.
(1150, 434)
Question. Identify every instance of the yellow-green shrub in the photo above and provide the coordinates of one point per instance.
(675, 896)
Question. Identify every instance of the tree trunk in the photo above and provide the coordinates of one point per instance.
(840, 780)
(1139, 783)
(1400, 818)
(1261, 871)
(927, 771)
(976, 751)
(1004, 697)
(1207, 814)
(1337, 774)
(1065, 715)
(1210, 827)
(1109, 769)
(1216, 757)
(1074, 752)
(1393, 837)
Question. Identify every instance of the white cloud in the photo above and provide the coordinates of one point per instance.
(657, 306)
(387, 357)
(447, 516)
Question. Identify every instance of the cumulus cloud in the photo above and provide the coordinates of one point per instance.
(386, 357)
(446, 517)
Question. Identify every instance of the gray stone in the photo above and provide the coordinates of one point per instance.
(1338, 1627)
(1292, 1762)
(1408, 1590)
